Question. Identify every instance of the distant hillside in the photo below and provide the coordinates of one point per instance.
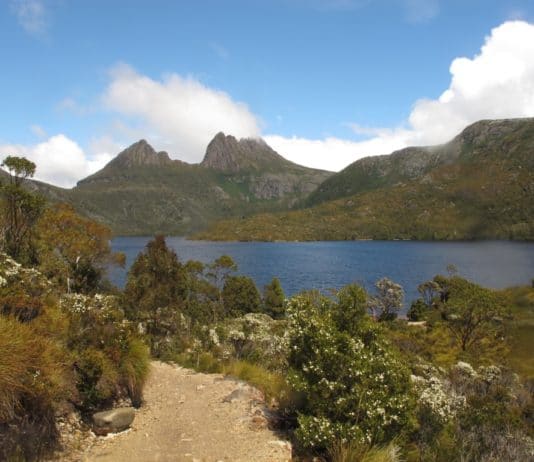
(479, 185)
(142, 191)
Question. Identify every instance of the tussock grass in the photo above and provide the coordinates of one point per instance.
(134, 369)
(272, 385)
(33, 382)
(356, 452)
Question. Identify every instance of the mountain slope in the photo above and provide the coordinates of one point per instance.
(484, 138)
(479, 185)
(142, 191)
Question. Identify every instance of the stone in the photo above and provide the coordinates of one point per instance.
(258, 422)
(115, 420)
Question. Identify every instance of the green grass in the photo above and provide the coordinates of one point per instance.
(273, 385)
(520, 330)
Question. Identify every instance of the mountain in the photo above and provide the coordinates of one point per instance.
(142, 191)
(479, 185)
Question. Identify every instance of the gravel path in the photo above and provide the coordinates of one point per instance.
(194, 417)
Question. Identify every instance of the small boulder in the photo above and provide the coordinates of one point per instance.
(115, 420)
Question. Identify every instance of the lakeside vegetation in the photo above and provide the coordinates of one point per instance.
(347, 379)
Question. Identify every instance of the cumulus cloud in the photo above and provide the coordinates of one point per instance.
(179, 114)
(496, 83)
(332, 153)
(31, 15)
(60, 160)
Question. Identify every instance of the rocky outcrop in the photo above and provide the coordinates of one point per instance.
(139, 154)
(227, 154)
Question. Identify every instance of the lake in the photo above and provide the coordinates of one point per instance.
(325, 265)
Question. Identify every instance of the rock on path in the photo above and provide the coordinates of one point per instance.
(194, 417)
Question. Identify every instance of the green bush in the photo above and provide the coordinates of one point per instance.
(273, 299)
(240, 296)
(111, 360)
(355, 388)
(417, 310)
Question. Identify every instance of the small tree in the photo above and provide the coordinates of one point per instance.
(76, 250)
(155, 293)
(388, 300)
(220, 269)
(471, 312)
(273, 299)
(430, 291)
(21, 209)
(240, 296)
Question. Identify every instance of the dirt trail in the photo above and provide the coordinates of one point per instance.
(194, 417)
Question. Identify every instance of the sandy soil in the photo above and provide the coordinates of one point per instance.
(194, 417)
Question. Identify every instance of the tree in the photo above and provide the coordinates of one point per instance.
(220, 269)
(430, 291)
(240, 296)
(21, 209)
(388, 300)
(354, 389)
(155, 292)
(470, 312)
(75, 250)
(273, 299)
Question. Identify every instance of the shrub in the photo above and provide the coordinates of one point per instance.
(111, 360)
(354, 387)
(240, 296)
(417, 310)
(273, 299)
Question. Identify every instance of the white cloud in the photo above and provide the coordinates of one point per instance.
(178, 114)
(497, 83)
(31, 15)
(335, 153)
(60, 160)
(181, 115)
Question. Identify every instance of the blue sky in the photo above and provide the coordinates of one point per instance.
(324, 82)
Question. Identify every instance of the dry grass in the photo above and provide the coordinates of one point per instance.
(33, 380)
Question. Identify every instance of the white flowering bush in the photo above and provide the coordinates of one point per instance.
(255, 337)
(16, 278)
(436, 398)
(354, 387)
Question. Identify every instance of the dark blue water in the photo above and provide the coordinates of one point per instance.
(325, 265)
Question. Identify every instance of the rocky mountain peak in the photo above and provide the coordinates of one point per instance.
(227, 154)
(139, 154)
(221, 153)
